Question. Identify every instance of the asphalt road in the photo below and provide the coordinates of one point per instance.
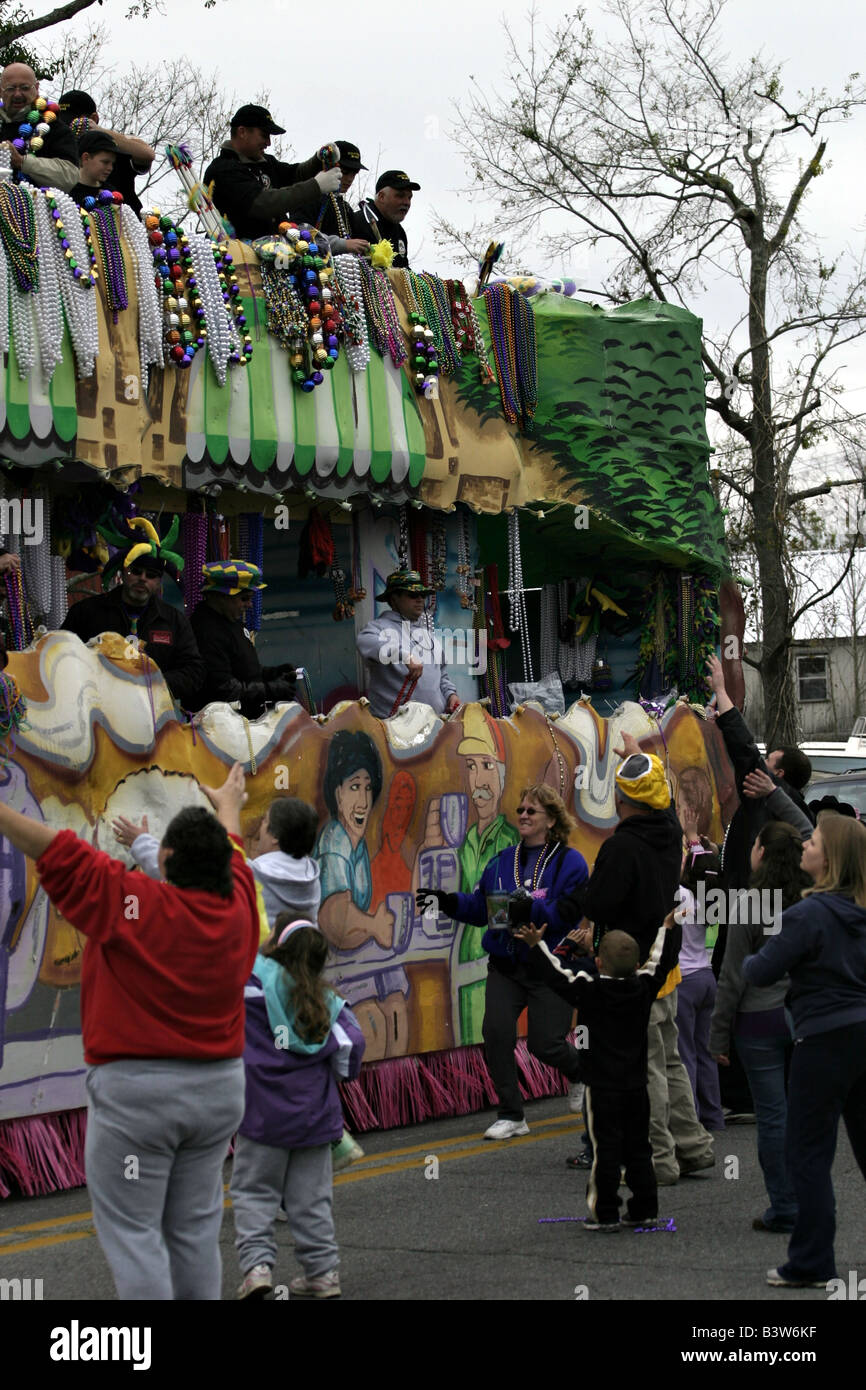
(435, 1213)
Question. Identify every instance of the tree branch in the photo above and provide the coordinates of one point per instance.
(46, 21)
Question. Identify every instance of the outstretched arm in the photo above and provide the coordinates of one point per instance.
(32, 837)
(228, 799)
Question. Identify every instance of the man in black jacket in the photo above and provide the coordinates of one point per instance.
(254, 190)
(388, 211)
(234, 673)
(51, 161)
(134, 609)
(632, 888)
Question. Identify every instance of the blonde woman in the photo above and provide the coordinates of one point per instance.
(541, 869)
(822, 946)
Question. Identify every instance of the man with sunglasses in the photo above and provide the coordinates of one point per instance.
(135, 609)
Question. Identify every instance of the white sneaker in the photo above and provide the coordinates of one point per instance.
(506, 1129)
(575, 1097)
(256, 1282)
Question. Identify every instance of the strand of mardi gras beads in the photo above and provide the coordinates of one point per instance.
(467, 330)
(449, 350)
(385, 297)
(347, 279)
(16, 606)
(103, 223)
(18, 232)
(527, 356)
(421, 339)
(60, 229)
(496, 301)
(13, 712)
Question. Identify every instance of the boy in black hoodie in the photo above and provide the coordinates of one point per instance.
(632, 888)
(614, 1006)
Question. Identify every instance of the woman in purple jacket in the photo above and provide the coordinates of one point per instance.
(533, 876)
(301, 1038)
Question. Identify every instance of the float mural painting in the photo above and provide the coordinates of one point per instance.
(415, 801)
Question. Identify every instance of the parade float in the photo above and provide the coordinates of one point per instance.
(542, 462)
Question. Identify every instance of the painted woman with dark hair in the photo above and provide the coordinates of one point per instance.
(353, 782)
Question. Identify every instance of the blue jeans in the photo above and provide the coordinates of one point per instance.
(763, 1062)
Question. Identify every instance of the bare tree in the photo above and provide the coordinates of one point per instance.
(166, 103)
(691, 171)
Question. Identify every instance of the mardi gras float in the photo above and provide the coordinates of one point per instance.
(541, 462)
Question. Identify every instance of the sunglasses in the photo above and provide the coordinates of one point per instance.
(141, 572)
(527, 810)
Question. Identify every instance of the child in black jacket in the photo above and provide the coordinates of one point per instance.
(614, 1006)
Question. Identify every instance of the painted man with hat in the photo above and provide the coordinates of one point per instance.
(387, 211)
(133, 155)
(254, 190)
(346, 228)
(404, 658)
(233, 672)
(135, 610)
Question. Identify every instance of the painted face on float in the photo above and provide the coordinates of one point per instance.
(484, 782)
(354, 798)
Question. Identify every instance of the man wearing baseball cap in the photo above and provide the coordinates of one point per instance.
(234, 672)
(404, 659)
(255, 191)
(385, 213)
(346, 228)
(133, 155)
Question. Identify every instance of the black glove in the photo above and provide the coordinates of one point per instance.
(445, 902)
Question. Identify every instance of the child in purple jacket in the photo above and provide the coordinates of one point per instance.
(300, 1039)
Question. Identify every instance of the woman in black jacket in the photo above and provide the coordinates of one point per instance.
(822, 946)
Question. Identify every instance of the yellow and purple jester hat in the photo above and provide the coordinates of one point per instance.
(142, 542)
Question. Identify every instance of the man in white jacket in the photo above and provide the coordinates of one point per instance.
(403, 655)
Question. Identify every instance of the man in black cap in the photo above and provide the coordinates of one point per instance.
(97, 153)
(135, 610)
(254, 190)
(346, 228)
(386, 212)
(133, 156)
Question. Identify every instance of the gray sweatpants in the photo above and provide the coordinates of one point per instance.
(302, 1179)
(157, 1137)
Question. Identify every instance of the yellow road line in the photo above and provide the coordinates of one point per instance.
(42, 1241)
(372, 1167)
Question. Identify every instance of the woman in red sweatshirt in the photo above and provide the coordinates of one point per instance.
(162, 1017)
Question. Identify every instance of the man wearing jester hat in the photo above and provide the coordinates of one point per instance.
(135, 610)
(234, 673)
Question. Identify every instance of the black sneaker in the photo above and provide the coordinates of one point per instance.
(583, 1160)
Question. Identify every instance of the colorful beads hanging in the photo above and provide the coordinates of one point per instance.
(34, 127)
(303, 301)
(251, 548)
(20, 622)
(230, 290)
(465, 574)
(103, 213)
(13, 712)
(185, 325)
(18, 233)
(518, 621)
(512, 330)
(381, 312)
(467, 330)
(679, 632)
(357, 591)
(193, 530)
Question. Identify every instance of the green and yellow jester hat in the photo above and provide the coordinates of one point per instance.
(142, 542)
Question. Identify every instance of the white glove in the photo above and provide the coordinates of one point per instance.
(329, 179)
